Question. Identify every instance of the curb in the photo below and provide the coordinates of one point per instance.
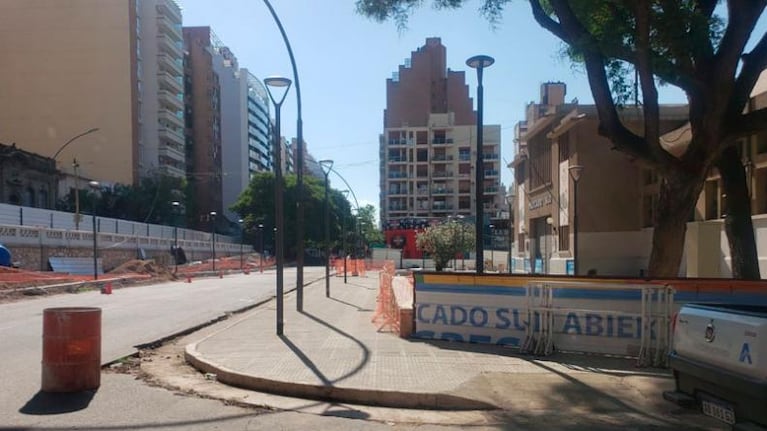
(373, 397)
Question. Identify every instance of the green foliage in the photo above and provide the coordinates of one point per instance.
(256, 207)
(147, 202)
(443, 241)
(370, 231)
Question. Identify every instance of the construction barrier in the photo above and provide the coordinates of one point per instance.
(394, 304)
(71, 349)
(544, 314)
(353, 267)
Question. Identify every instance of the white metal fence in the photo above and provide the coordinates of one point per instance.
(35, 226)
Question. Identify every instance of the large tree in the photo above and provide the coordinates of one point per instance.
(695, 45)
(256, 207)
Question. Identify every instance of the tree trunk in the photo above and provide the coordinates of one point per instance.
(737, 222)
(678, 195)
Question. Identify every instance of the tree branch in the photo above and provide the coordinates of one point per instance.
(753, 64)
(610, 124)
(545, 21)
(747, 124)
(742, 17)
(647, 80)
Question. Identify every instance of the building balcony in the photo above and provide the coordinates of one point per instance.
(169, 118)
(167, 26)
(169, 135)
(437, 207)
(170, 82)
(442, 158)
(397, 175)
(491, 190)
(490, 156)
(171, 151)
(491, 173)
(441, 141)
(442, 174)
(170, 46)
(170, 100)
(172, 171)
(397, 159)
(169, 64)
(400, 142)
(442, 191)
(170, 9)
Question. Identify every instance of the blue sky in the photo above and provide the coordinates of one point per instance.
(344, 60)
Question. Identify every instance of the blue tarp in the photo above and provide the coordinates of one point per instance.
(5, 256)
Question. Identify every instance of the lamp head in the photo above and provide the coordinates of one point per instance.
(176, 204)
(277, 82)
(94, 184)
(326, 165)
(213, 213)
(575, 172)
(480, 61)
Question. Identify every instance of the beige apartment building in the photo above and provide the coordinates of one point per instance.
(613, 238)
(428, 147)
(73, 66)
(617, 197)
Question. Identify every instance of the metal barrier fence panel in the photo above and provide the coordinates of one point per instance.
(539, 315)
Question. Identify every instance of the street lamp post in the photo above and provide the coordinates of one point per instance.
(326, 166)
(242, 237)
(510, 201)
(299, 170)
(277, 82)
(176, 207)
(547, 256)
(575, 174)
(492, 247)
(479, 62)
(95, 186)
(261, 247)
(75, 165)
(213, 236)
(343, 235)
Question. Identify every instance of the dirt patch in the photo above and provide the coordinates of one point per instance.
(144, 267)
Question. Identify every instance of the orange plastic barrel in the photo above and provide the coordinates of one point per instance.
(71, 349)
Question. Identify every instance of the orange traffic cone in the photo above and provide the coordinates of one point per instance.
(106, 289)
(188, 278)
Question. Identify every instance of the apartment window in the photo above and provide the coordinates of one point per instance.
(564, 147)
(540, 164)
(564, 238)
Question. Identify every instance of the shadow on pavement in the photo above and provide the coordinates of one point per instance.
(362, 346)
(352, 305)
(47, 403)
(593, 363)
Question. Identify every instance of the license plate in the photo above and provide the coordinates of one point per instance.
(720, 411)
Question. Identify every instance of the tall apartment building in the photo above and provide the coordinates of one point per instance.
(245, 144)
(160, 69)
(76, 65)
(203, 123)
(428, 147)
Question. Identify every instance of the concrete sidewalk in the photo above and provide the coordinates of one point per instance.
(333, 352)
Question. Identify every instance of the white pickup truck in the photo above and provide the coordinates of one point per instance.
(719, 360)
